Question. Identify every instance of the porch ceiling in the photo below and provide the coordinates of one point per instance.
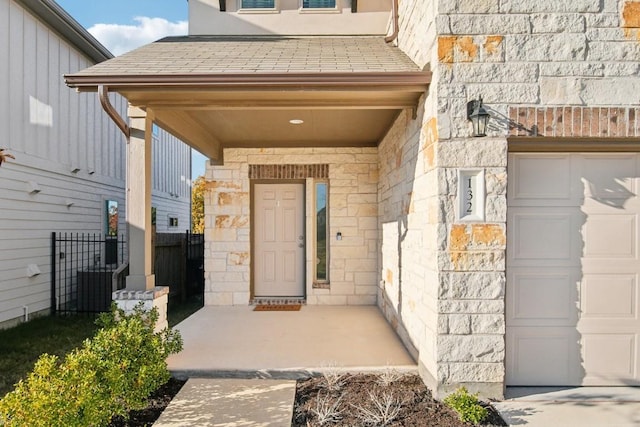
(348, 91)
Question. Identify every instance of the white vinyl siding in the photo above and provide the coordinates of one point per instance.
(51, 130)
(171, 182)
(26, 223)
(38, 60)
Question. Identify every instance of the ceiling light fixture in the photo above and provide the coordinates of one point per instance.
(296, 121)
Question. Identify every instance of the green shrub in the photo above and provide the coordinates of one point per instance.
(112, 373)
(466, 405)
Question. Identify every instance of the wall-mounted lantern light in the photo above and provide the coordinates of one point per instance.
(479, 117)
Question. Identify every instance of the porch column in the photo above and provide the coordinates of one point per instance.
(141, 277)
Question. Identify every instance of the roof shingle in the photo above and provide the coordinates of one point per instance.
(242, 55)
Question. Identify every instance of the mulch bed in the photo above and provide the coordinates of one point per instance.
(158, 401)
(417, 407)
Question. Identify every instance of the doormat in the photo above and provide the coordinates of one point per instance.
(277, 307)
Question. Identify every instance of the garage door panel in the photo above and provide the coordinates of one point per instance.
(608, 296)
(527, 182)
(544, 298)
(614, 366)
(609, 207)
(556, 349)
(610, 177)
(610, 236)
(543, 236)
(572, 292)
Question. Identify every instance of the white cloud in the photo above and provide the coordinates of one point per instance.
(123, 38)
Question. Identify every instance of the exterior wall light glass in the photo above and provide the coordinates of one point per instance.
(479, 117)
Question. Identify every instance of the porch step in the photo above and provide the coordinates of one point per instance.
(285, 373)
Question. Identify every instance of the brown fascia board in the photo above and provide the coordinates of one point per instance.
(358, 79)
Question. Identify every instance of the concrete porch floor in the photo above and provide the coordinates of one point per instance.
(239, 342)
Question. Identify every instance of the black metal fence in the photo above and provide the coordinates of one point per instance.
(82, 267)
(195, 264)
(86, 268)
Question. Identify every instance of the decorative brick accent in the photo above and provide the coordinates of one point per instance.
(584, 122)
(318, 171)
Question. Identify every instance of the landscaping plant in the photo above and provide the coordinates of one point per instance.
(382, 410)
(111, 374)
(466, 405)
(4, 156)
(328, 409)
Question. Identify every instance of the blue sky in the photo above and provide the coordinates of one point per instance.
(123, 25)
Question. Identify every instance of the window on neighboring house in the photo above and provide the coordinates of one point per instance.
(318, 4)
(111, 240)
(322, 232)
(111, 226)
(173, 221)
(257, 4)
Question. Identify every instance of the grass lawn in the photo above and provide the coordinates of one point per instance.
(21, 346)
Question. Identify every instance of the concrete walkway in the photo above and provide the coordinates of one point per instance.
(242, 343)
(569, 407)
(231, 402)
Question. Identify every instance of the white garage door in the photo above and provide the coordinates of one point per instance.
(572, 269)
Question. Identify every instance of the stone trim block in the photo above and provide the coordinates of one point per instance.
(317, 171)
(151, 294)
(157, 297)
(574, 121)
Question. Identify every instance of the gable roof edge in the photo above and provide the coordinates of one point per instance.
(58, 19)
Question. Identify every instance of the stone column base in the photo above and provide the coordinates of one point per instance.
(486, 390)
(157, 297)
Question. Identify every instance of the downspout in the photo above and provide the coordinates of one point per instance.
(394, 22)
(103, 91)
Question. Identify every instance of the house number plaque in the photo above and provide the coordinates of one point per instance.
(471, 194)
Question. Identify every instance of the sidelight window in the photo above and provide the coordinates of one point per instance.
(322, 232)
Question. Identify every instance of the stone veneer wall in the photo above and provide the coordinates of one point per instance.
(353, 205)
(409, 204)
(544, 68)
